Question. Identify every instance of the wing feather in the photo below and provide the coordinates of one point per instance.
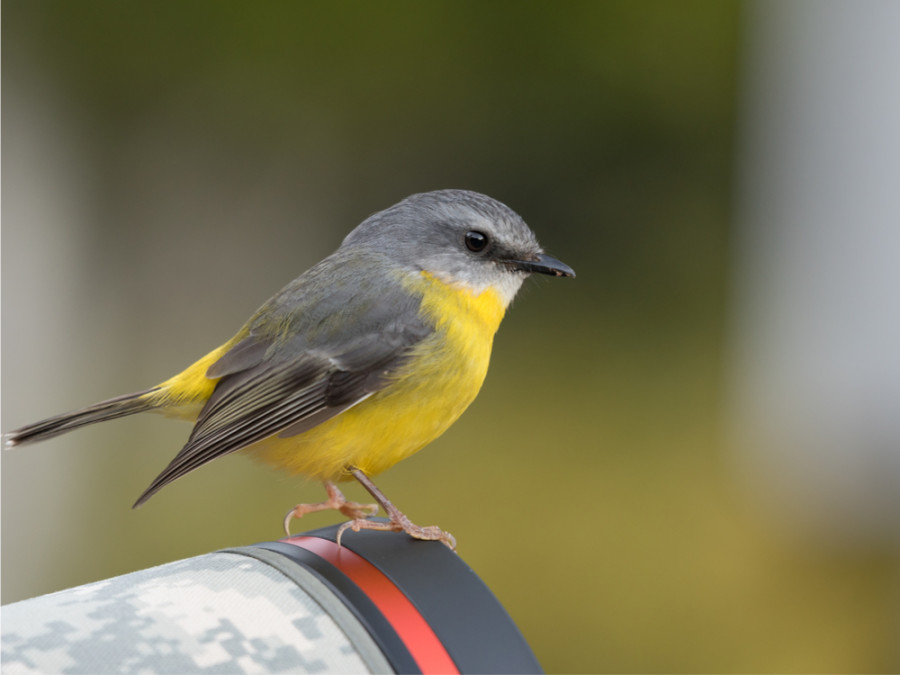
(270, 385)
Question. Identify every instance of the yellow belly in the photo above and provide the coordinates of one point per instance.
(426, 396)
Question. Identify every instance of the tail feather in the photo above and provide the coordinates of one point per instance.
(99, 412)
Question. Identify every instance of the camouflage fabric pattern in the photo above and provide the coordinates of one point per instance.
(217, 613)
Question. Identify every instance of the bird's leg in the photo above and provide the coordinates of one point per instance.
(398, 523)
(337, 501)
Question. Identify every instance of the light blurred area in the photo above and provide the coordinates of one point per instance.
(683, 460)
(817, 331)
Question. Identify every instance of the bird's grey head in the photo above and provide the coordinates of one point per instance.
(460, 237)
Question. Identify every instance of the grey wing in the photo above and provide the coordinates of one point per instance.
(267, 388)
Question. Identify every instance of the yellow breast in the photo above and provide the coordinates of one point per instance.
(439, 381)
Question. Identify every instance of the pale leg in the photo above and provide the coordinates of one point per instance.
(398, 521)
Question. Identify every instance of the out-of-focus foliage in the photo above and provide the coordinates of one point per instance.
(169, 165)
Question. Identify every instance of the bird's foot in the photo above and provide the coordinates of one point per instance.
(399, 523)
(337, 502)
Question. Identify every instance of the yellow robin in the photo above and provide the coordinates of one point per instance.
(359, 362)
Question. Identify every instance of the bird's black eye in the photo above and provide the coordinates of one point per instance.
(476, 241)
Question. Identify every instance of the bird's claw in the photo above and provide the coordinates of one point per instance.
(337, 502)
(428, 533)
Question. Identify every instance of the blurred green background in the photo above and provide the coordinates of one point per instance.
(167, 166)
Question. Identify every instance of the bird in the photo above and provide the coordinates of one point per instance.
(356, 364)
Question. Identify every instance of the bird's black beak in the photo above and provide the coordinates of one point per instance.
(544, 264)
